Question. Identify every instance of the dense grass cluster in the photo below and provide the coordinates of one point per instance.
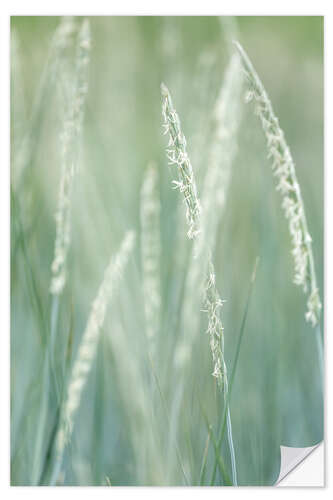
(156, 335)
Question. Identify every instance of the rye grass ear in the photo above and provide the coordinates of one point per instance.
(88, 347)
(70, 142)
(287, 184)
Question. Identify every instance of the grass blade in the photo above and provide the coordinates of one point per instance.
(233, 371)
(218, 459)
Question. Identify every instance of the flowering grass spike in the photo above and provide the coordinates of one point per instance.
(287, 184)
(177, 155)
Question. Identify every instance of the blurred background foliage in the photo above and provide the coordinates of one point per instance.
(276, 397)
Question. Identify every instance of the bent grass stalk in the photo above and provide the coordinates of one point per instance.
(87, 349)
(292, 202)
(177, 155)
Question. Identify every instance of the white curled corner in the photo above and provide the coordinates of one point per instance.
(291, 457)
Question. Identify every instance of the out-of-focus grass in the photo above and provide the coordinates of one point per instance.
(276, 395)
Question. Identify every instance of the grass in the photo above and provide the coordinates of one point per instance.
(158, 384)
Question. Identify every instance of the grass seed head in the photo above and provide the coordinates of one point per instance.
(287, 184)
(177, 155)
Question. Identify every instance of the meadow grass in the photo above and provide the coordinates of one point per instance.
(157, 381)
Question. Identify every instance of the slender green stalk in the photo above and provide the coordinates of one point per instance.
(218, 459)
(230, 439)
(320, 350)
(38, 452)
(49, 374)
(37, 304)
(53, 336)
(204, 461)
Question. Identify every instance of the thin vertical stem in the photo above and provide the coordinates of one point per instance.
(48, 369)
(230, 439)
(320, 351)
